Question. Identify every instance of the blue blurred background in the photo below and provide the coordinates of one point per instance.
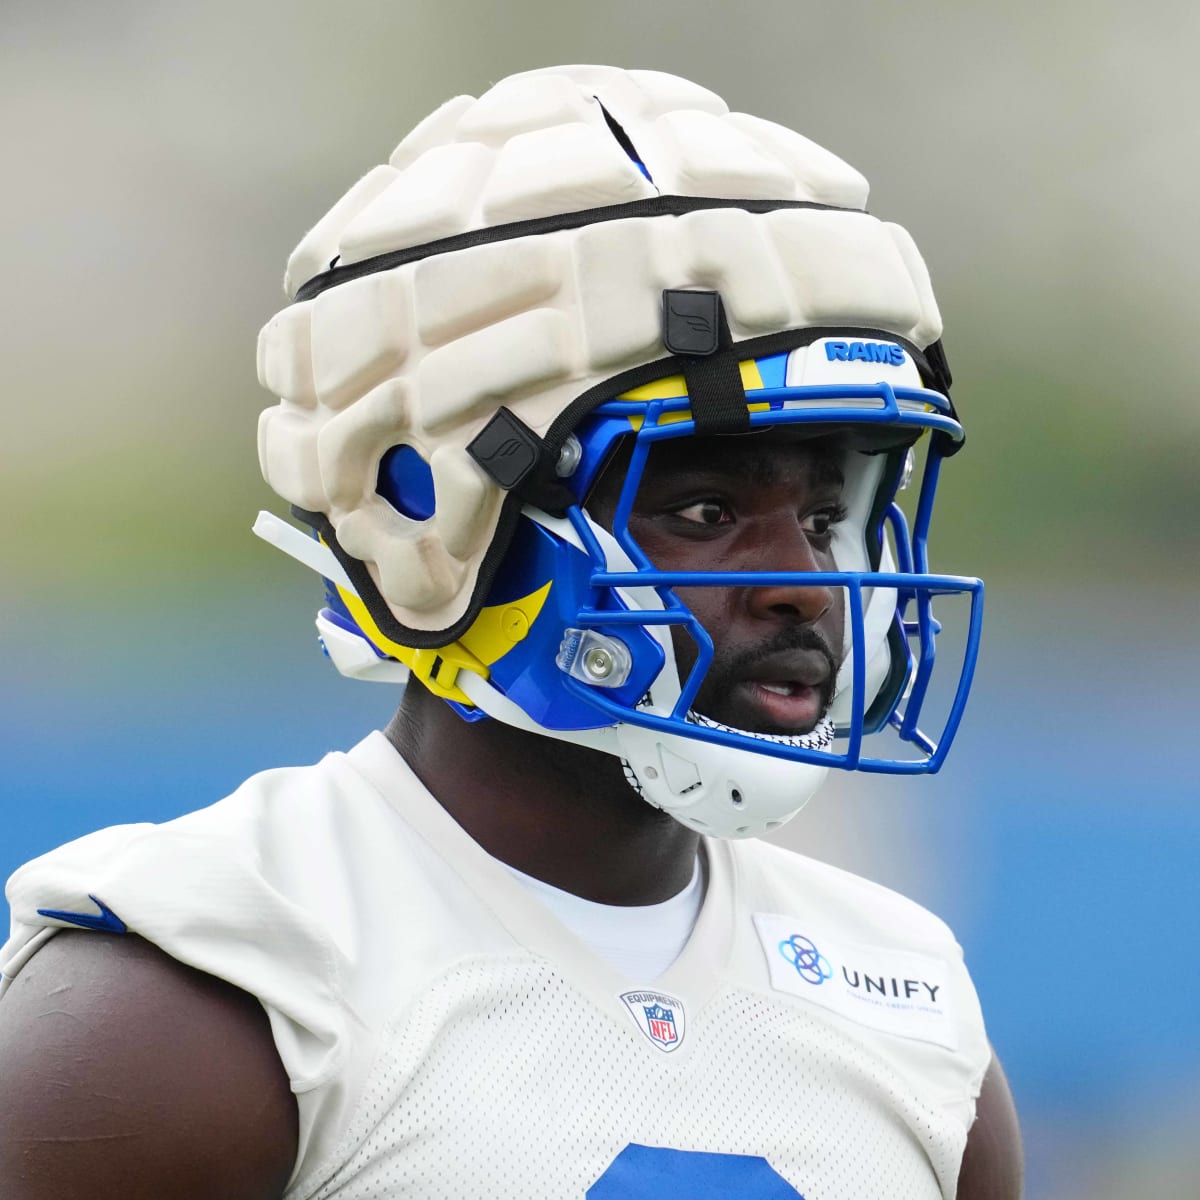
(161, 162)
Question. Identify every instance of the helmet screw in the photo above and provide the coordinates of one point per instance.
(568, 457)
(594, 658)
(598, 663)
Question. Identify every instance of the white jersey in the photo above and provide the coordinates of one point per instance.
(448, 1039)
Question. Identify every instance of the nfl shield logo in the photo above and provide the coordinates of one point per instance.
(661, 1018)
(661, 1023)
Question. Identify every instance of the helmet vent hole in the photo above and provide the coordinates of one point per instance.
(405, 481)
(736, 797)
(623, 141)
(774, 824)
(650, 773)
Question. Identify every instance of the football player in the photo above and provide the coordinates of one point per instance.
(595, 407)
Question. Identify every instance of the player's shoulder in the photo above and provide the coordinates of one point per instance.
(249, 889)
(272, 890)
(776, 878)
(273, 815)
(183, 1060)
(873, 957)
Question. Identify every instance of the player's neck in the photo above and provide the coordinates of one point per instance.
(561, 813)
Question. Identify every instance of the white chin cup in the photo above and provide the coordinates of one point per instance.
(716, 790)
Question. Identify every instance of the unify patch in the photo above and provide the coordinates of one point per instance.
(895, 991)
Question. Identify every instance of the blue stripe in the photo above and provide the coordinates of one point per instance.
(106, 922)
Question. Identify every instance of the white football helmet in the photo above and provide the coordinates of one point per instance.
(580, 259)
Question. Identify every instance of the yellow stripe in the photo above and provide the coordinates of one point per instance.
(500, 627)
(660, 389)
(674, 386)
(492, 635)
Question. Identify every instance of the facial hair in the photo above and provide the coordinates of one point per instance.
(716, 697)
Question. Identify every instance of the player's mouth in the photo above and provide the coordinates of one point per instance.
(785, 693)
(790, 705)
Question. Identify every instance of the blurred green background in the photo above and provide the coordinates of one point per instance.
(162, 160)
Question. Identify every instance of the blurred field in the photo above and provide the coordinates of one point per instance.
(163, 160)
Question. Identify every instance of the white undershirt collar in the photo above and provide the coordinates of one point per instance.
(640, 941)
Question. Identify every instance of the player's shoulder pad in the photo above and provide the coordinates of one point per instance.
(782, 880)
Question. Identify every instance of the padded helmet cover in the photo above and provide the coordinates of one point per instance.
(482, 311)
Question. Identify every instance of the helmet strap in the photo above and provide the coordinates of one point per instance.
(696, 330)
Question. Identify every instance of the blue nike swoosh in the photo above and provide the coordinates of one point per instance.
(106, 922)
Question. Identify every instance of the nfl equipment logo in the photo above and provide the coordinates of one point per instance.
(661, 1023)
(660, 1017)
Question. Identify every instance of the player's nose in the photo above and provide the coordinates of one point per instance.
(788, 548)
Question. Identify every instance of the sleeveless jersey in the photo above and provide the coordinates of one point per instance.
(448, 1039)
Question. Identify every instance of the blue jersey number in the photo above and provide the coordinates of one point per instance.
(655, 1173)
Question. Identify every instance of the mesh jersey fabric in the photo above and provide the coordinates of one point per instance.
(446, 1036)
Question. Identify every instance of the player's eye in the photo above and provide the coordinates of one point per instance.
(706, 512)
(820, 524)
